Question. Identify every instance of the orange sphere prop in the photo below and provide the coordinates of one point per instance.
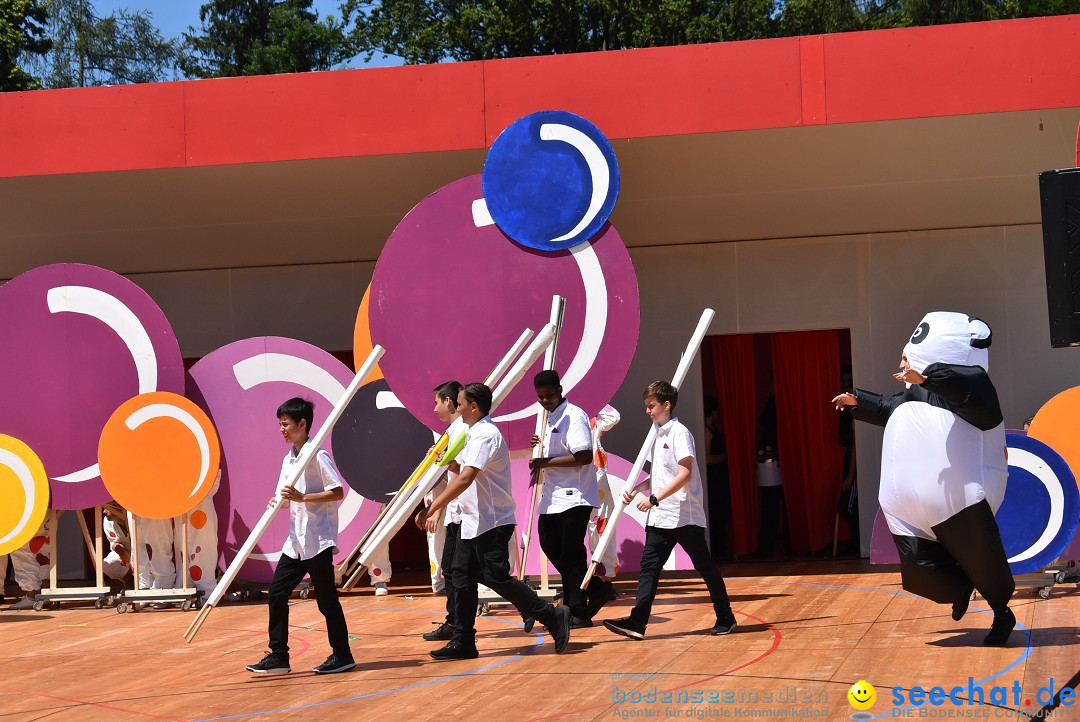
(159, 455)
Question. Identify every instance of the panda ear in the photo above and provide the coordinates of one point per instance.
(981, 336)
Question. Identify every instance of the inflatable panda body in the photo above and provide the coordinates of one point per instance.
(943, 465)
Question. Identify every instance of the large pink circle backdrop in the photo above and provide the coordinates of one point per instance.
(240, 386)
(78, 342)
(451, 293)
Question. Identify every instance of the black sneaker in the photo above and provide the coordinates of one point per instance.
(627, 627)
(442, 633)
(1001, 628)
(271, 664)
(560, 628)
(580, 622)
(528, 623)
(455, 649)
(724, 626)
(335, 663)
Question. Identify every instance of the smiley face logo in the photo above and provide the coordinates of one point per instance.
(861, 695)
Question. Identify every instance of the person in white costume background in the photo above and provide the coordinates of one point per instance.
(943, 467)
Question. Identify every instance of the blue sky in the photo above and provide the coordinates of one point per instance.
(174, 16)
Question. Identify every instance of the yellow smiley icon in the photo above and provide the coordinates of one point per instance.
(861, 695)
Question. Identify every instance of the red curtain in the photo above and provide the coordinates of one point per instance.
(806, 372)
(734, 359)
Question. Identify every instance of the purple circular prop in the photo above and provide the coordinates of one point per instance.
(240, 386)
(451, 293)
(80, 341)
(378, 442)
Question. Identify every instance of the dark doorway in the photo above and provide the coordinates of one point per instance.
(776, 490)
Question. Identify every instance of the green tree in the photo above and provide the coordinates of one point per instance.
(86, 50)
(259, 37)
(22, 33)
(428, 31)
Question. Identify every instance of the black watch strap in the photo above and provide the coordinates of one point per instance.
(653, 501)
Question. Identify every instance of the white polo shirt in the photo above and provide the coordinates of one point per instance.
(312, 527)
(453, 509)
(685, 507)
(488, 502)
(566, 487)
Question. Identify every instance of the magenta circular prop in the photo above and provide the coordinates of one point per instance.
(240, 386)
(451, 293)
(79, 341)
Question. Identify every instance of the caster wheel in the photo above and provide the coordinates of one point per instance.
(1044, 592)
(305, 593)
(39, 605)
(135, 607)
(1059, 577)
(185, 605)
(483, 609)
(121, 608)
(99, 603)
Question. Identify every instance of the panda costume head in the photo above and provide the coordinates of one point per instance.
(951, 338)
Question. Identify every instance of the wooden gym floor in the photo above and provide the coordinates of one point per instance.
(807, 631)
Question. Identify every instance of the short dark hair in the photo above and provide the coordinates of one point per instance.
(1028, 420)
(448, 391)
(711, 404)
(298, 410)
(480, 395)
(662, 391)
(547, 379)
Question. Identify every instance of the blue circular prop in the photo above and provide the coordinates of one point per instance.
(1041, 509)
(551, 180)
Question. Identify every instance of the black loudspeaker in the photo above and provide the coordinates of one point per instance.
(1060, 193)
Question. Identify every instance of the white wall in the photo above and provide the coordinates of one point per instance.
(876, 285)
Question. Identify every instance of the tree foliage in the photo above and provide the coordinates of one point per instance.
(427, 31)
(22, 33)
(259, 37)
(87, 50)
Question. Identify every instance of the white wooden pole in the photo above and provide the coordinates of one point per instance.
(558, 311)
(639, 463)
(305, 456)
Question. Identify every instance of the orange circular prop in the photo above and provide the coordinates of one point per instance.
(1058, 426)
(362, 344)
(159, 455)
(24, 487)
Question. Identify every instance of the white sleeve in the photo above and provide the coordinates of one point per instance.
(477, 452)
(578, 433)
(683, 445)
(331, 478)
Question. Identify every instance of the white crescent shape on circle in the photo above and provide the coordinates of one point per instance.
(598, 170)
(168, 411)
(12, 461)
(1023, 459)
(387, 400)
(269, 367)
(113, 313)
(592, 334)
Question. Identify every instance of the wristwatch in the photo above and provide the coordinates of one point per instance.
(653, 501)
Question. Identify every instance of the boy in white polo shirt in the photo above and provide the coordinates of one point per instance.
(446, 397)
(676, 515)
(310, 548)
(487, 525)
(568, 498)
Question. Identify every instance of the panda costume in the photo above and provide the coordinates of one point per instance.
(943, 467)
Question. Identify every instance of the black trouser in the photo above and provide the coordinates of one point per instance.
(968, 555)
(450, 545)
(287, 576)
(659, 543)
(562, 537)
(486, 559)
